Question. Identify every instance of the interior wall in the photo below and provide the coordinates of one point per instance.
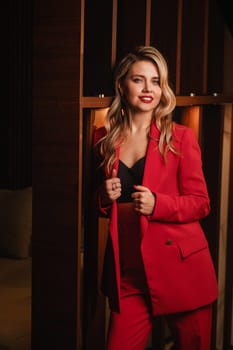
(16, 102)
(60, 63)
(56, 262)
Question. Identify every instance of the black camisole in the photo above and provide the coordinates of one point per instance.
(129, 177)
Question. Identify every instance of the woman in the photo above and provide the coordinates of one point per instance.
(151, 185)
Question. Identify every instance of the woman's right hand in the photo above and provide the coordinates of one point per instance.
(111, 189)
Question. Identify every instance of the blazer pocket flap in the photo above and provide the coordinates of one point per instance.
(192, 245)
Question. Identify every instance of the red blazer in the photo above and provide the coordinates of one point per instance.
(178, 265)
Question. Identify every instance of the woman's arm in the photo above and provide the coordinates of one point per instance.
(193, 201)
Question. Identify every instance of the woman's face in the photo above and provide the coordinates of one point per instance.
(141, 87)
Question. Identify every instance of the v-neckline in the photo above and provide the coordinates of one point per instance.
(137, 161)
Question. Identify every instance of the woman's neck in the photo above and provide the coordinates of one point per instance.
(140, 122)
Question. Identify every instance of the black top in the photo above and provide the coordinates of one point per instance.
(129, 177)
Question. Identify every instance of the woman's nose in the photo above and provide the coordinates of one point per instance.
(147, 87)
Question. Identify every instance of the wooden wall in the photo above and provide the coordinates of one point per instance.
(55, 148)
(75, 46)
(189, 38)
(58, 58)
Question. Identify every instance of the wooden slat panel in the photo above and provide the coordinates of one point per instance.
(56, 262)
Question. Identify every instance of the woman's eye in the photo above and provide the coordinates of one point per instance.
(155, 82)
(137, 80)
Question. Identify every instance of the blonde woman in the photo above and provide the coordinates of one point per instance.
(150, 184)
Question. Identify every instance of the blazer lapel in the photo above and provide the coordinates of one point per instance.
(153, 159)
(151, 169)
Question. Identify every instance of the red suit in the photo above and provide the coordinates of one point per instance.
(178, 267)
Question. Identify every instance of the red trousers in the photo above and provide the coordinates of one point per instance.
(130, 329)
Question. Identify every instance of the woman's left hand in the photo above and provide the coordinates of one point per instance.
(143, 199)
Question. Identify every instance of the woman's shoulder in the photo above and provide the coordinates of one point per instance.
(180, 130)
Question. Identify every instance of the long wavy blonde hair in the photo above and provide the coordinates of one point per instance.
(117, 120)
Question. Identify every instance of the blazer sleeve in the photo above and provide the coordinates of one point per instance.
(192, 202)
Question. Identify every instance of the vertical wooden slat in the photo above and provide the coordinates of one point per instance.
(222, 277)
(228, 319)
(148, 22)
(205, 49)
(80, 260)
(79, 233)
(82, 28)
(179, 46)
(114, 31)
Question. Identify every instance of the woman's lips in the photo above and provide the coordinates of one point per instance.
(146, 99)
